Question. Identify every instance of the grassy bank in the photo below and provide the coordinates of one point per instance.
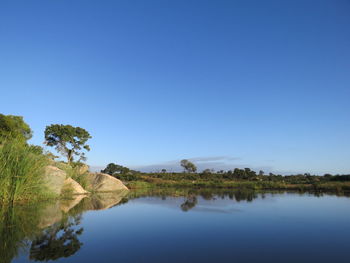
(151, 182)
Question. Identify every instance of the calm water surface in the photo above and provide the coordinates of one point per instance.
(180, 226)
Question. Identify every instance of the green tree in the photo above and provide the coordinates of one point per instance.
(188, 166)
(68, 140)
(113, 168)
(14, 127)
(207, 171)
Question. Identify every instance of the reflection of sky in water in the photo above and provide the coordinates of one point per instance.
(277, 228)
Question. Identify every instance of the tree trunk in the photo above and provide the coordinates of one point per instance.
(70, 156)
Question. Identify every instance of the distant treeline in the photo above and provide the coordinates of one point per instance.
(237, 174)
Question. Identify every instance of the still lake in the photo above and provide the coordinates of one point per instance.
(180, 226)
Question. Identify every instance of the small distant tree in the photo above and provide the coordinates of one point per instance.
(328, 176)
(249, 174)
(207, 171)
(163, 171)
(113, 168)
(14, 127)
(188, 166)
(68, 140)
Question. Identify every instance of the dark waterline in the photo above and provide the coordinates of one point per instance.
(165, 226)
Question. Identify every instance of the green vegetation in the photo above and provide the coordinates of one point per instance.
(68, 140)
(21, 170)
(22, 166)
(146, 181)
(13, 127)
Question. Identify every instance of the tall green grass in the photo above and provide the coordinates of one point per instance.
(21, 172)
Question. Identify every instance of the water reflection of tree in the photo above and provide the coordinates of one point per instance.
(206, 194)
(245, 196)
(189, 203)
(240, 195)
(57, 241)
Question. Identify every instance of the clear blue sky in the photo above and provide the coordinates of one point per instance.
(261, 84)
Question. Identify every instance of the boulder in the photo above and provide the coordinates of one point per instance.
(83, 169)
(72, 187)
(54, 179)
(100, 182)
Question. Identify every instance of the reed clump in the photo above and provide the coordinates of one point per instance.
(21, 172)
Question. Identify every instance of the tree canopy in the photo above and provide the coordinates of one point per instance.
(113, 168)
(188, 166)
(68, 140)
(12, 126)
